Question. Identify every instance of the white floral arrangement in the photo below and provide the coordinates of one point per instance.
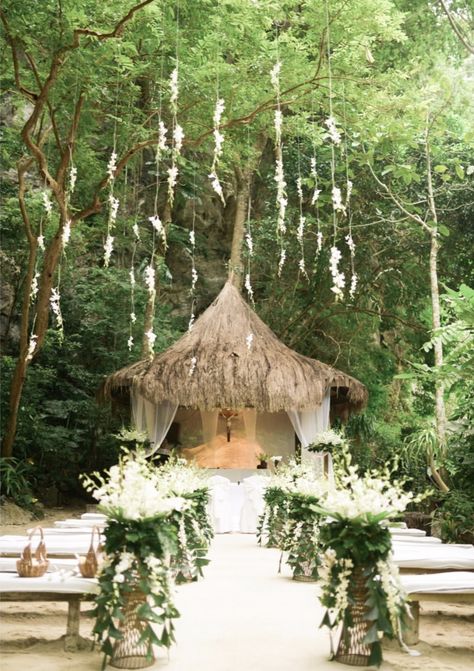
(356, 541)
(369, 499)
(326, 441)
(132, 492)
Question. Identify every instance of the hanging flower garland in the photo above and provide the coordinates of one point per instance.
(177, 136)
(301, 220)
(113, 207)
(218, 142)
(281, 197)
(338, 278)
(348, 238)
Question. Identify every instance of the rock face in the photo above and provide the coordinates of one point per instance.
(10, 513)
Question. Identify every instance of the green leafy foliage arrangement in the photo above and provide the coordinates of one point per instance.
(150, 537)
(356, 566)
(301, 540)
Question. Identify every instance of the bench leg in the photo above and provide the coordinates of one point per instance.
(411, 635)
(71, 642)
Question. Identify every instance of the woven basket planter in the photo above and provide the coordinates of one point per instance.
(351, 649)
(128, 652)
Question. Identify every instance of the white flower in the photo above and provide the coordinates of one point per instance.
(133, 317)
(348, 191)
(172, 176)
(337, 277)
(151, 337)
(48, 205)
(112, 165)
(353, 287)
(216, 185)
(54, 301)
(34, 286)
(66, 234)
(281, 262)
(108, 249)
(333, 132)
(319, 242)
(315, 197)
(327, 438)
(157, 225)
(220, 106)
(191, 322)
(40, 240)
(192, 238)
(136, 231)
(249, 341)
(31, 347)
(72, 178)
(249, 242)
(194, 278)
(132, 277)
(130, 343)
(150, 278)
(248, 286)
(174, 89)
(337, 199)
(192, 366)
(300, 231)
(178, 137)
(350, 243)
(275, 75)
(301, 266)
(162, 136)
(278, 125)
(219, 141)
(299, 188)
(114, 206)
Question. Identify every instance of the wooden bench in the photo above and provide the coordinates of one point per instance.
(51, 587)
(451, 587)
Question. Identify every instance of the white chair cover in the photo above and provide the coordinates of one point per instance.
(253, 505)
(219, 506)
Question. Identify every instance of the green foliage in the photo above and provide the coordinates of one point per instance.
(456, 517)
(17, 478)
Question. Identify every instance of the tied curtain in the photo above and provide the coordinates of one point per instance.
(307, 424)
(155, 419)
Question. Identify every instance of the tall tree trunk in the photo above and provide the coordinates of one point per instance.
(243, 180)
(236, 266)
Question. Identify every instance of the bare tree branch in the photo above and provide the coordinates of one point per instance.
(457, 29)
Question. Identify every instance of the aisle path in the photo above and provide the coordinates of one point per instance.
(243, 616)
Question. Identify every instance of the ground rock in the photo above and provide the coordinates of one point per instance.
(10, 513)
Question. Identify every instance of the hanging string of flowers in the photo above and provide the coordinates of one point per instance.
(113, 204)
(338, 278)
(348, 238)
(177, 135)
(281, 197)
(302, 218)
(192, 241)
(218, 142)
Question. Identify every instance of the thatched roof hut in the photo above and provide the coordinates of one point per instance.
(231, 359)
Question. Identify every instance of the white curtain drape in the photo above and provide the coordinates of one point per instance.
(307, 424)
(250, 422)
(209, 425)
(154, 419)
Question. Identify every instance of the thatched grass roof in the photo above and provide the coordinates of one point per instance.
(268, 375)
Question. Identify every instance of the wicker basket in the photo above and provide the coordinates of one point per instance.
(129, 652)
(33, 564)
(351, 649)
(88, 565)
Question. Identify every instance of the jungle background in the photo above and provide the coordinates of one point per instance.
(82, 79)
